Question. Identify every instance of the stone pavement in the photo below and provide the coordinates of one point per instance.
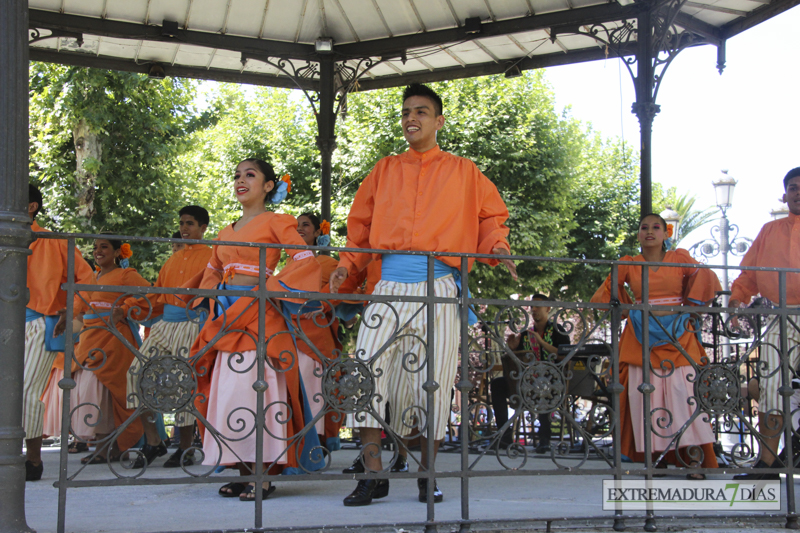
(559, 501)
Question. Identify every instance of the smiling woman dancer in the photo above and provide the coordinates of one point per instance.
(671, 286)
(228, 370)
(101, 359)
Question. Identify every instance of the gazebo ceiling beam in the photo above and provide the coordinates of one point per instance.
(199, 73)
(485, 69)
(711, 33)
(588, 15)
(757, 16)
(126, 30)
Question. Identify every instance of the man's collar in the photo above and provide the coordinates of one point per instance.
(792, 218)
(422, 156)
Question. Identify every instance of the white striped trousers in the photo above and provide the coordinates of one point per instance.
(38, 363)
(402, 385)
(769, 398)
(164, 338)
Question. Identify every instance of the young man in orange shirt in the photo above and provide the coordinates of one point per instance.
(421, 200)
(47, 270)
(173, 334)
(777, 245)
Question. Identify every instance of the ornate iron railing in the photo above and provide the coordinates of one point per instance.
(587, 426)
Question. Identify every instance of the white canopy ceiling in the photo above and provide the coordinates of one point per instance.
(272, 42)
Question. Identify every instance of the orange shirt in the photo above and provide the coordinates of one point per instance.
(47, 270)
(182, 266)
(267, 227)
(102, 301)
(430, 201)
(777, 245)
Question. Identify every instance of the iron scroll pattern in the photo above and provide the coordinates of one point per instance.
(667, 41)
(584, 429)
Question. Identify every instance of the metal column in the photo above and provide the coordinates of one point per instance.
(15, 236)
(326, 121)
(645, 107)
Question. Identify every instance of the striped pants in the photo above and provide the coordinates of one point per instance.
(38, 363)
(769, 398)
(401, 370)
(174, 338)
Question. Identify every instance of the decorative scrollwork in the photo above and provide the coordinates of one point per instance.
(167, 384)
(348, 386)
(717, 389)
(542, 387)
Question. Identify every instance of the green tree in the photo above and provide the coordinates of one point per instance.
(104, 147)
(606, 197)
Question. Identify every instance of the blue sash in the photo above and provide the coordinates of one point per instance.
(414, 269)
(51, 344)
(173, 313)
(134, 329)
(658, 336)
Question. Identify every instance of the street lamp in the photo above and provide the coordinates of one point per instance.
(724, 238)
(723, 189)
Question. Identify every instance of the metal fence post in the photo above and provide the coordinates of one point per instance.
(15, 236)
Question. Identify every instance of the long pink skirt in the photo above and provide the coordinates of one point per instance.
(313, 386)
(232, 408)
(87, 421)
(52, 404)
(671, 393)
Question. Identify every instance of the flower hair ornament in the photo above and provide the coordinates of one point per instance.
(125, 253)
(668, 242)
(325, 238)
(282, 189)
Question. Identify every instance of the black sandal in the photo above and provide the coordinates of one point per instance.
(78, 447)
(231, 490)
(249, 493)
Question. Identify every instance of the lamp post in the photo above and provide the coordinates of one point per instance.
(724, 238)
(672, 218)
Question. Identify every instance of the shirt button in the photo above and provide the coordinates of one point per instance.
(416, 234)
(420, 193)
(419, 214)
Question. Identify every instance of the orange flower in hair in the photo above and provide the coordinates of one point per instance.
(286, 178)
(669, 230)
(125, 251)
(325, 227)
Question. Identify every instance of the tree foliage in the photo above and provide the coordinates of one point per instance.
(142, 126)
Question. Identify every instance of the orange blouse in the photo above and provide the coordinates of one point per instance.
(102, 301)
(182, 266)
(47, 271)
(777, 245)
(669, 286)
(267, 227)
(430, 201)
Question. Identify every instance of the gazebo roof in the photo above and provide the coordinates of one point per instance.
(274, 42)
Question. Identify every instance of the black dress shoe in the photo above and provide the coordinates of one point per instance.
(356, 468)
(174, 460)
(366, 491)
(755, 476)
(542, 448)
(150, 453)
(422, 485)
(33, 472)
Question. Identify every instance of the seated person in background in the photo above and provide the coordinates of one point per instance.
(529, 345)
